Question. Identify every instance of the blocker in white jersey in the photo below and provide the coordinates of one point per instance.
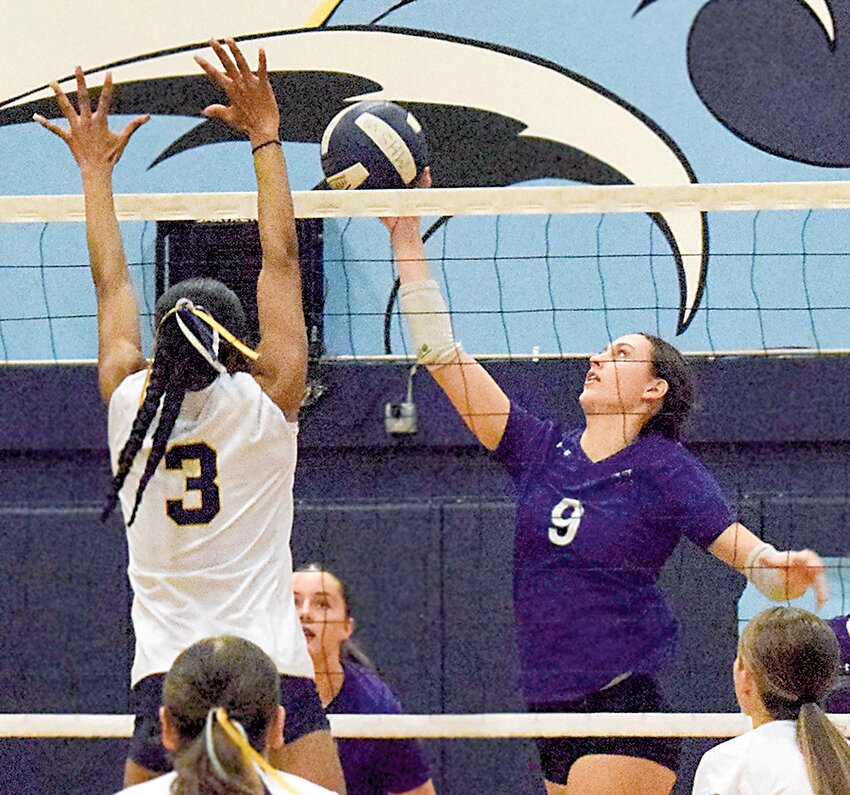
(203, 441)
(209, 547)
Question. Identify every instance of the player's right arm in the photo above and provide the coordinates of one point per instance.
(282, 364)
(478, 399)
(96, 150)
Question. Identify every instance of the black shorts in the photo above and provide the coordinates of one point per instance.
(637, 693)
(304, 715)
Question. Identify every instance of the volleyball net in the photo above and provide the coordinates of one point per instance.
(529, 274)
(551, 271)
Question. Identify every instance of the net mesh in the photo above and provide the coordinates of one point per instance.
(537, 274)
(527, 271)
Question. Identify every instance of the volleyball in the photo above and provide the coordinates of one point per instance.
(373, 144)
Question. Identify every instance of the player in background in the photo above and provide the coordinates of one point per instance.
(839, 700)
(221, 716)
(348, 684)
(204, 453)
(788, 661)
(600, 509)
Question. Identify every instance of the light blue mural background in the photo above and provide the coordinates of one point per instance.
(761, 292)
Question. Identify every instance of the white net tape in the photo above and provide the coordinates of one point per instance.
(481, 726)
(448, 201)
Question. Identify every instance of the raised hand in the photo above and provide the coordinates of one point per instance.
(800, 570)
(253, 107)
(93, 145)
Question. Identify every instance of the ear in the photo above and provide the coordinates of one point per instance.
(349, 626)
(655, 389)
(745, 686)
(170, 735)
(275, 737)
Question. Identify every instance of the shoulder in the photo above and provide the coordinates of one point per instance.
(292, 784)
(767, 754)
(668, 458)
(129, 392)
(526, 435)
(243, 392)
(719, 769)
(157, 786)
(366, 692)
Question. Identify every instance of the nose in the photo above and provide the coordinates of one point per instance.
(304, 612)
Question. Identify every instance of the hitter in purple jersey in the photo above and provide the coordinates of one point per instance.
(599, 511)
(348, 684)
(839, 701)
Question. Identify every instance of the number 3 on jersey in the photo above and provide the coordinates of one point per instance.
(204, 482)
(564, 526)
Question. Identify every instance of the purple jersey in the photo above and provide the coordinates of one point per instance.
(839, 701)
(591, 539)
(375, 767)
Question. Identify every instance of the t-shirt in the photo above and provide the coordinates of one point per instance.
(839, 701)
(764, 761)
(375, 767)
(591, 539)
(209, 549)
(162, 785)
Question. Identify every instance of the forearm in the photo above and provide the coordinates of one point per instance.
(409, 251)
(275, 211)
(103, 235)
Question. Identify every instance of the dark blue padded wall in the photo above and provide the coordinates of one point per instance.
(421, 529)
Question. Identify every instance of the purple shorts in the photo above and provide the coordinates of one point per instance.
(304, 715)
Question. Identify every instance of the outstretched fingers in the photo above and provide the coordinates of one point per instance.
(63, 102)
(223, 56)
(129, 130)
(244, 69)
(83, 98)
(49, 125)
(218, 77)
(104, 101)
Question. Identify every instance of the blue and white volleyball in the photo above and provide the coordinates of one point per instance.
(373, 144)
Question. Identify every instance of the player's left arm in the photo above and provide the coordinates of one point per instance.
(282, 363)
(778, 575)
(97, 149)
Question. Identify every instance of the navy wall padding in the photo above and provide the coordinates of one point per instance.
(420, 528)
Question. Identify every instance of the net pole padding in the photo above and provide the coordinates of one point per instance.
(560, 199)
(481, 726)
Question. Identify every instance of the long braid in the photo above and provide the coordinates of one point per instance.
(174, 395)
(176, 369)
(157, 385)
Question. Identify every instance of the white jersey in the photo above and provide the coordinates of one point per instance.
(162, 785)
(764, 761)
(209, 549)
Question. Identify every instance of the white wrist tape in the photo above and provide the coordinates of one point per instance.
(429, 322)
(770, 581)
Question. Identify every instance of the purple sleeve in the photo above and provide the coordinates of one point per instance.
(698, 509)
(401, 762)
(405, 766)
(522, 448)
(840, 628)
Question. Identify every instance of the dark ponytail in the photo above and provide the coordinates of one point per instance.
(217, 680)
(669, 364)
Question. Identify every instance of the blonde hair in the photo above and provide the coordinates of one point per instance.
(795, 660)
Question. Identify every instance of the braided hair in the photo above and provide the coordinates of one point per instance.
(177, 368)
